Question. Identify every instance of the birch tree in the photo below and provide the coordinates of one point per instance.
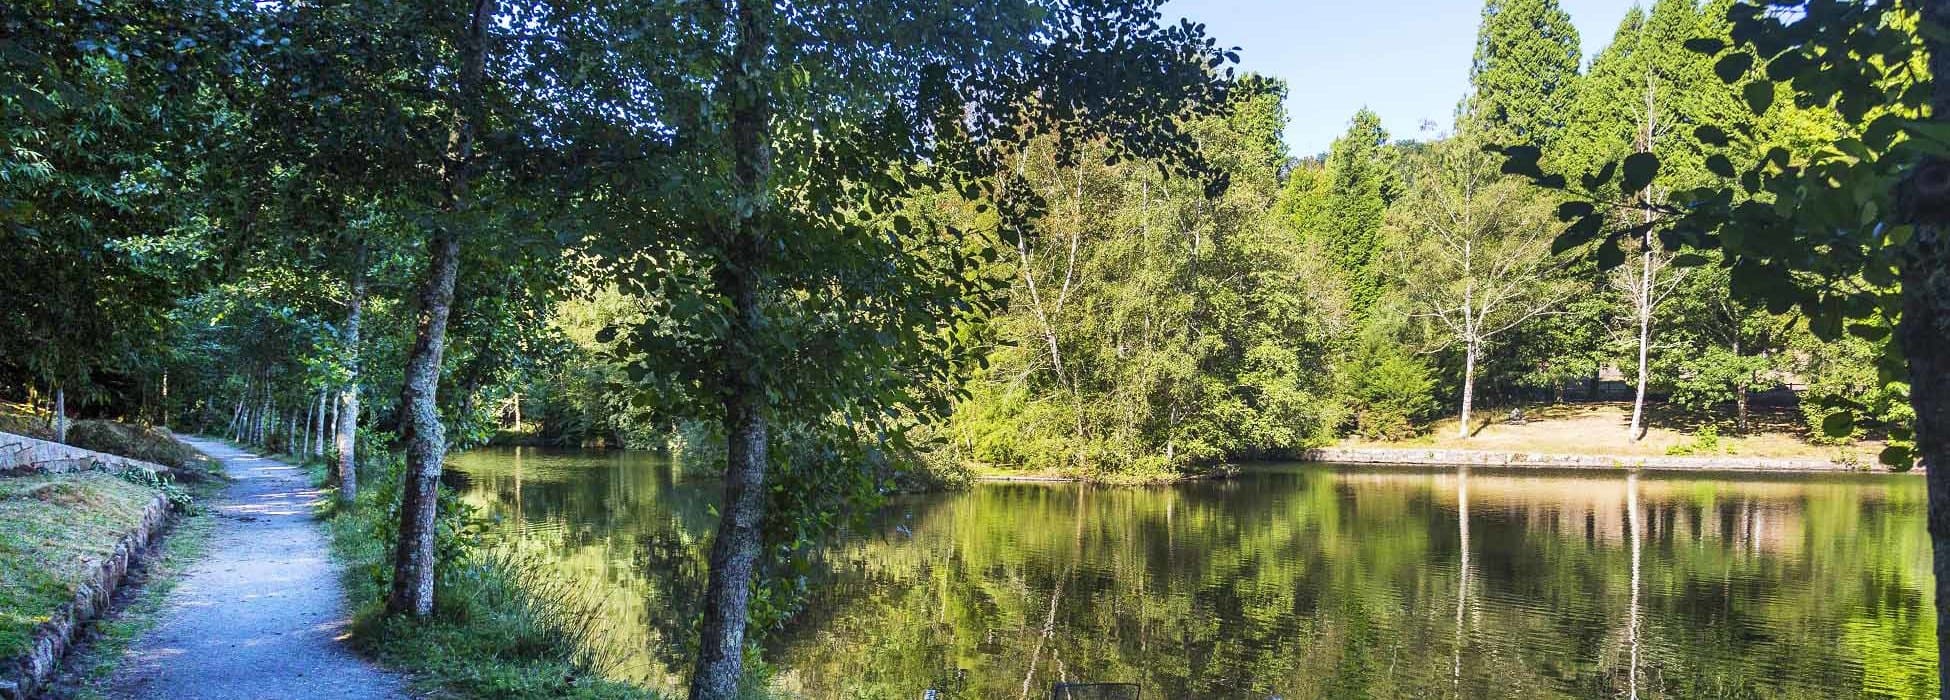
(1476, 253)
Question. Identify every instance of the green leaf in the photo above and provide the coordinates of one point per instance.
(1839, 424)
(1733, 67)
(1640, 168)
(1594, 181)
(1522, 160)
(1760, 96)
(1898, 457)
(1578, 234)
(1705, 45)
(1573, 210)
(1690, 260)
(1610, 256)
(1711, 135)
(1719, 165)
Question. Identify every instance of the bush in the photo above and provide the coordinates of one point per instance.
(1393, 393)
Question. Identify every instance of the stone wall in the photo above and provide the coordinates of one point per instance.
(1431, 456)
(22, 676)
(20, 454)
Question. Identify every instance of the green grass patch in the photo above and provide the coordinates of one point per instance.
(503, 626)
(54, 531)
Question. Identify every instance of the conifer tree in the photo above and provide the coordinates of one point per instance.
(1527, 59)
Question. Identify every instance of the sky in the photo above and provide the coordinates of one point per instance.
(1408, 60)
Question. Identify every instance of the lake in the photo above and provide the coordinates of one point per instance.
(1291, 581)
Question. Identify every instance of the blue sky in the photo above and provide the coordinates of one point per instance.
(1408, 60)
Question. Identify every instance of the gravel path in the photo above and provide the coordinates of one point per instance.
(262, 614)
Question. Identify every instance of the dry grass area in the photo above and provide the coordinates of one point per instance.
(1604, 428)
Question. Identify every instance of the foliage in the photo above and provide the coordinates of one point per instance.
(1394, 393)
(1524, 72)
(1338, 210)
(1152, 328)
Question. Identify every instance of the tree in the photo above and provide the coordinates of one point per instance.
(1642, 97)
(1852, 232)
(1477, 248)
(1151, 328)
(1718, 348)
(1354, 190)
(1527, 60)
(803, 304)
(92, 203)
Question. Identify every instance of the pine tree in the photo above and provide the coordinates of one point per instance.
(1527, 59)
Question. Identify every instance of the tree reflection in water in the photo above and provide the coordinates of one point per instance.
(1302, 581)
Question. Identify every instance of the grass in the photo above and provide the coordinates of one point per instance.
(54, 531)
(1604, 428)
(141, 442)
(503, 626)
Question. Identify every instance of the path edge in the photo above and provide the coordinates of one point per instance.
(23, 676)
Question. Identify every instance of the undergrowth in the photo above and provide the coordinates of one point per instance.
(503, 625)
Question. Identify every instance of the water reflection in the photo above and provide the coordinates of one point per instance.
(1302, 581)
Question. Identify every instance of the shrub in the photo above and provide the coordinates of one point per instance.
(1393, 393)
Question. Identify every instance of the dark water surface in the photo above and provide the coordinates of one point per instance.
(1296, 581)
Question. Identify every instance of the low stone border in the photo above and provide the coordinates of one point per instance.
(20, 454)
(22, 676)
(1483, 458)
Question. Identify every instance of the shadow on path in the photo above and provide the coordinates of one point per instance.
(263, 614)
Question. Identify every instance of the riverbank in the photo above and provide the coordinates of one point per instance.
(1491, 458)
(1776, 435)
(503, 626)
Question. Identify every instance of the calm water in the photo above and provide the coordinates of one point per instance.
(1298, 581)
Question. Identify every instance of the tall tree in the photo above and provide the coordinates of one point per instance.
(812, 298)
(1527, 60)
(1340, 213)
(1478, 249)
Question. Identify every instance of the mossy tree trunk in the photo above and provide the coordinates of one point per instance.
(420, 427)
(735, 550)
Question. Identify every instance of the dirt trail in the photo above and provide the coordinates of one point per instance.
(261, 616)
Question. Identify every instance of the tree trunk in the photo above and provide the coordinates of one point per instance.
(1645, 295)
(424, 435)
(61, 415)
(735, 550)
(1469, 384)
(331, 436)
(420, 426)
(311, 422)
(1925, 334)
(319, 431)
(347, 437)
(1645, 343)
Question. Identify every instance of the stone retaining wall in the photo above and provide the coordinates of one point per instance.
(20, 454)
(21, 677)
(1431, 456)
